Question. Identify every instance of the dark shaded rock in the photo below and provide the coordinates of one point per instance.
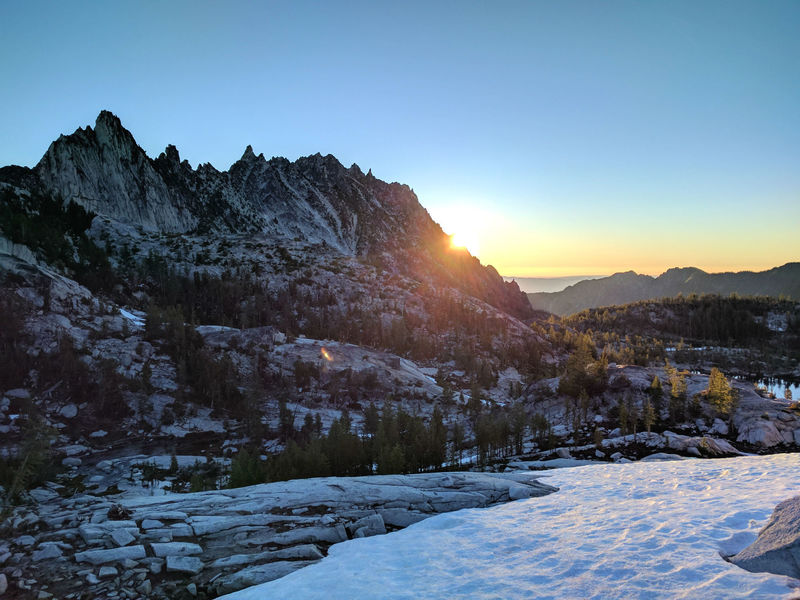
(777, 547)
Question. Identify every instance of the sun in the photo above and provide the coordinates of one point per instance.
(466, 240)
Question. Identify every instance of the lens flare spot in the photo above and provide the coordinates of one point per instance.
(465, 241)
(326, 355)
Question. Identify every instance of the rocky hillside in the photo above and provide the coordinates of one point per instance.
(623, 288)
(755, 337)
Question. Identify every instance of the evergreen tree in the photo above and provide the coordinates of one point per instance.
(648, 415)
(622, 410)
(656, 392)
(371, 419)
(285, 421)
(519, 420)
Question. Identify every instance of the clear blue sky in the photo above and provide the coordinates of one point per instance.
(568, 137)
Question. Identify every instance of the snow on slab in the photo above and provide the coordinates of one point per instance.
(137, 320)
(637, 530)
(205, 330)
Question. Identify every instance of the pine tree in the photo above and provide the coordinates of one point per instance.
(623, 417)
(518, 422)
(656, 392)
(371, 419)
(648, 415)
(285, 420)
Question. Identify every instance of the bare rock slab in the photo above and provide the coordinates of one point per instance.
(777, 547)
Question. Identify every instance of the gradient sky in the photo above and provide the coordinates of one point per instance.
(563, 137)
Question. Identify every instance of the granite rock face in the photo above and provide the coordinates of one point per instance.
(777, 547)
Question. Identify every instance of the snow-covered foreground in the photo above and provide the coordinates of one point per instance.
(638, 530)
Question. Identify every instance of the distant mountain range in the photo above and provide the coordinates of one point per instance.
(622, 288)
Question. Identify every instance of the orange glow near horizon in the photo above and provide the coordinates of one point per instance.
(602, 242)
(326, 355)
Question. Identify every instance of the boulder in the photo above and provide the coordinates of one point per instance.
(719, 427)
(25, 541)
(257, 574)
(368, 526)
(108, 572)
(760, 432)
(42, 494)
(47, 551)
(145, 587)
(99, 557)
(122, 537)
(700, 446)
(304, 535)
(563, 453)
(155, 565)
(777, 547)
(176, 549)
(151, 524)
(70, 411)
(184, 564)
(304, 551)
(658, 456)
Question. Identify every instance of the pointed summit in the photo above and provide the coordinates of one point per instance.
(248, 155)
(109, 120)
(110, 133)
(172, 154)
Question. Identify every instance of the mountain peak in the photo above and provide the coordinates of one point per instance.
(172, 154)
(108, 119)
(109, 132)
(248, 155)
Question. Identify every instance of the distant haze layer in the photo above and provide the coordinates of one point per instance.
(531, 285)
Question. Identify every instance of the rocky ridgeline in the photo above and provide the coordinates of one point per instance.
(209, 543)
(315, 199)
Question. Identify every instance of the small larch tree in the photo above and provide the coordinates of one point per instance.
(720, 395)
